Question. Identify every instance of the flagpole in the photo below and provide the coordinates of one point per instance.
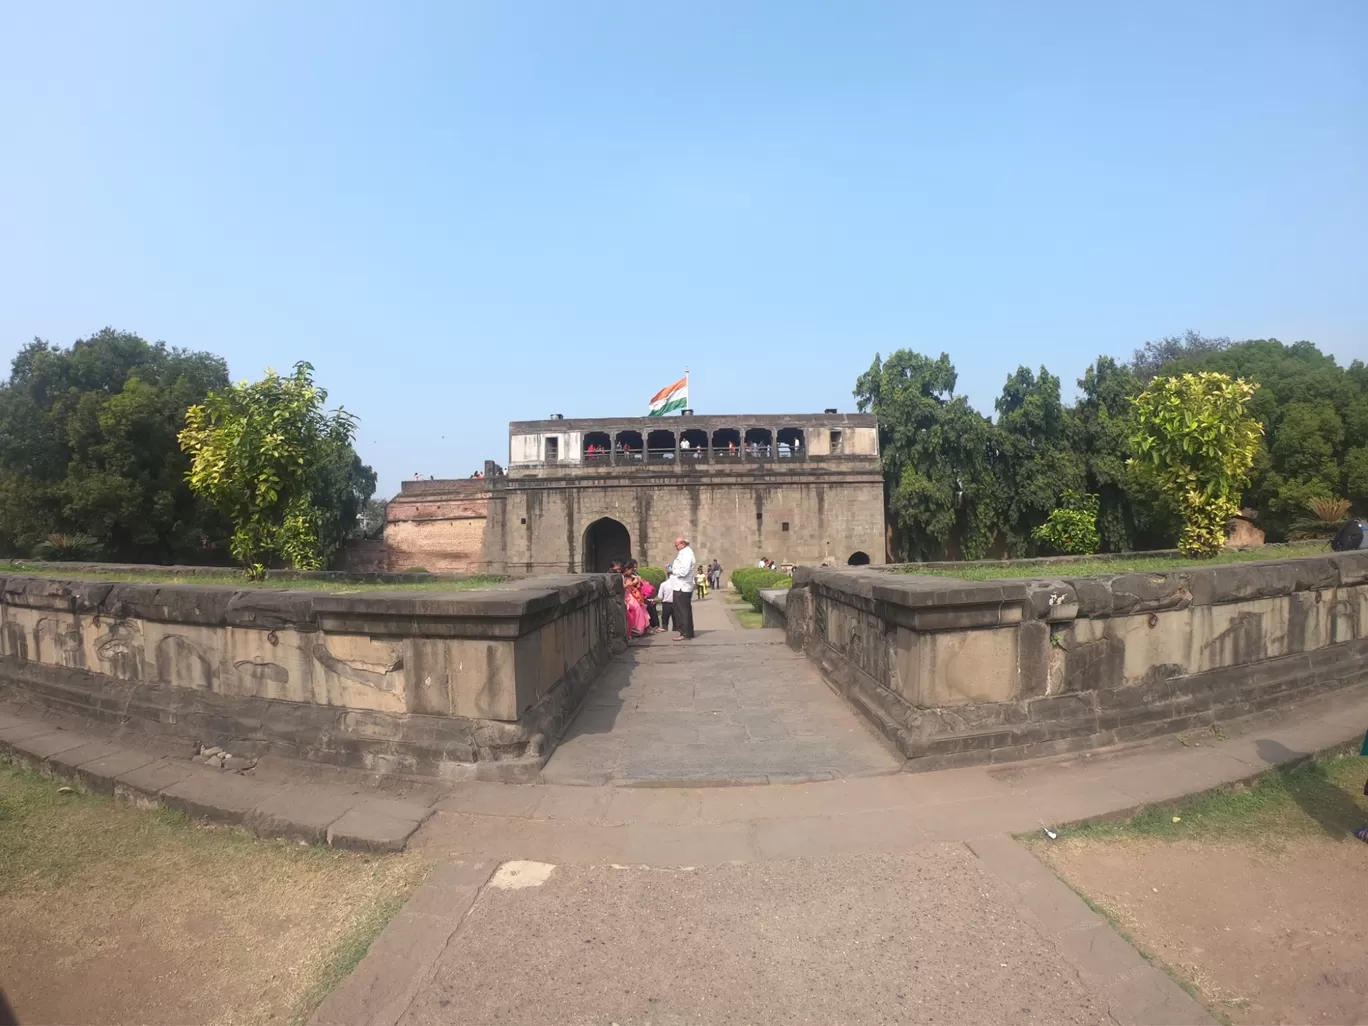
(687, 393)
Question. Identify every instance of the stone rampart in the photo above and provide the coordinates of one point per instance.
(456, 684)
(956, 671)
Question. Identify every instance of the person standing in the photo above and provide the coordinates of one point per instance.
(716, 574)
(682, 572)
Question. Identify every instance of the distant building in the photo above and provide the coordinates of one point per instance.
(578, 494)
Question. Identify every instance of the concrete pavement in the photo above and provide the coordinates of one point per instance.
(730, 707)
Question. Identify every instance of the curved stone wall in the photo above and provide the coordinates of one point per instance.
(474, 683)
(959, 671)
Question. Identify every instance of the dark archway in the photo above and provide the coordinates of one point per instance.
(660, 445)
(726, 444)
(856, 559)
(759, 442)
(629, 446)
(790, 443)
(605, 542)
(693, 444)
(598, 447)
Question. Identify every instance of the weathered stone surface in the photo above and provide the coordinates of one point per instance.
(218, 797)
(946, 672)
(66, 763)
(100, 774)
(362, 829)
(145, 783)
(39, 748)
(412, 682)
(300, 813)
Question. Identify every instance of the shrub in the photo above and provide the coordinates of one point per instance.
(416, 570)
(1325, 518)
(654, 574)
(750, 580)
(1194, 434)
(69, 548)
(1072, 527)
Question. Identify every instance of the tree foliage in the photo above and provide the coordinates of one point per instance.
(960, 484)
(1194, 433)
(1071, 528)
(88, 448)
(279, 467)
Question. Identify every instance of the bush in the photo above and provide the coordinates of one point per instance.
(750, 580)
(416, 570)
(654, 574)
(67, 548)
(1072, 528)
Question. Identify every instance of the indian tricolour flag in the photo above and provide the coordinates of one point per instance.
(674, 397)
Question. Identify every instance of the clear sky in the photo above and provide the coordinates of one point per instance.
(465, 214)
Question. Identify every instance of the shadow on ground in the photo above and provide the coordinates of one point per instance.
(1318, 796)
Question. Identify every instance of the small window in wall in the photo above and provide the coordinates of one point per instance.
(837, 443)
(552, 449)
(785, 527)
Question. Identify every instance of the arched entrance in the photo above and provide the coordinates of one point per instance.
(858, 559)
(605, 541)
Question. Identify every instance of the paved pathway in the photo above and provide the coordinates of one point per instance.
(732, 706)
(891, 898)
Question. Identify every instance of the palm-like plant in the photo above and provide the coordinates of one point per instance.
(1326, 516)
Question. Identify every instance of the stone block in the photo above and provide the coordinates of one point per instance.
(100, 774)
(362, 829)
(300, 814)
(66, 763)
(216, 796)
(24, 730)
(145, 783)
(38, 749)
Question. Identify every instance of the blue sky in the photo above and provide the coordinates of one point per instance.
(467, 214)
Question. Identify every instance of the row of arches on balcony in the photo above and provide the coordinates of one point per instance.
(694, 443)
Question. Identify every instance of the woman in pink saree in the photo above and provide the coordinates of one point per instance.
(638, 620)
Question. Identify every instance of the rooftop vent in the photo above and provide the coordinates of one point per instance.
(686, 413)
(557, 416)
(830, 409)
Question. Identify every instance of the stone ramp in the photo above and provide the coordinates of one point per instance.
(730, 707)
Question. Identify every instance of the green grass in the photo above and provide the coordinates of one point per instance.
(237, 580)
(1321, 795)
(748, 617)
(266, 927)
(1121, 565)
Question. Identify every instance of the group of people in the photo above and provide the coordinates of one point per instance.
(684, 577)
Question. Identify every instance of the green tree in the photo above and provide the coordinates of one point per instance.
(1038, 460)
(1195, 435)
(88, 447)
(280, 467)
(938, 456)
(1313, 413)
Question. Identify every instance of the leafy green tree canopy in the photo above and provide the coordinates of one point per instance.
(280, 467)
(88, 447)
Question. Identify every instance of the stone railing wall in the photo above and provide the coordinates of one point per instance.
(455, 684)
(956, 671)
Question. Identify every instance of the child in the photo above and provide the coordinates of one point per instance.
(666, 593)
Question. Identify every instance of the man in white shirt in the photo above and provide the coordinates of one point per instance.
(682, 574)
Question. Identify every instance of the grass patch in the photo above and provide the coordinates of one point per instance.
(748, 617)
(1321, 795)
(237, 580)
(1138, 564)
(246, 930)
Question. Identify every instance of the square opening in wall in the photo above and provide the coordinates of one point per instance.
(524, 520)
(785, 527)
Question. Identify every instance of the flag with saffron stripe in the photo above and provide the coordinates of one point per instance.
(673, 397)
